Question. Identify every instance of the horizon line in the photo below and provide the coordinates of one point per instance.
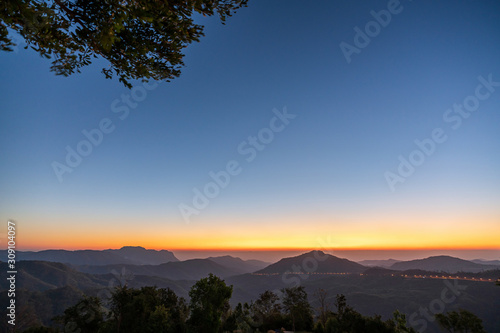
(306, 249)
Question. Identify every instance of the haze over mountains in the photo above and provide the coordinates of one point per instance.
(193, 269)
(314, 261)
(401, 285)
(443, 264)
(165, 264)
(380, 263)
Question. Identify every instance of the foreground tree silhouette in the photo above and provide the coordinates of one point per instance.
(266, 311)
(85, 317)
(240, 320)
(148, 309)
(209, 303)
(348, 320)
(460, 322)
(141, 39)
(297, 308)
(323, 308)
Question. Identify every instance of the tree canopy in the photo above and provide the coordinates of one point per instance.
(209, 302)
(296, 305)
(158, 310)
(141, 39)
(461, 321)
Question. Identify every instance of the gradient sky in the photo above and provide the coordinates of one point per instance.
(320, 183)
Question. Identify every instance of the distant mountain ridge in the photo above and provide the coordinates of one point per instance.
(487, 262)
(380, 263)
(52, 287)
(134, 255)
(313, 262)
(193, 269)
(239, 265)
(43, 275)
(442, 264)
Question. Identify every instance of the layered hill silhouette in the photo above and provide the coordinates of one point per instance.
(442, 264)
(193, 269)
(52, 287)
(163, 263)
(487, 262)
(313, 262)
(43, 275)
(239, 265)
(134, 255)
(380, 263)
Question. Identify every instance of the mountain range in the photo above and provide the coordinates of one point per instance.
(50, 287)
(163, 263)
(443, 264)
(193, 269)
(134, 255)
(380, 263)
(313, 262)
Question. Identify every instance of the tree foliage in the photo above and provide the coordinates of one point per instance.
(240, 320)
(347, 320)
(86, 316)
(209, 304)
(297, 307)
(154, 310)
(266, 311)
(148, 309)
(141, 39)
(323, 308)
(461, 321)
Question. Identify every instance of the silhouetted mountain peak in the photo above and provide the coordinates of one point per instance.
(132, 247)
(315, 253)
(238, 264)
(126, 255)
(314, 261)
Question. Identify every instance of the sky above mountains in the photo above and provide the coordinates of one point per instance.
(297, 125)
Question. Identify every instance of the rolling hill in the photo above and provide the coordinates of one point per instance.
(193, 269)
(442, 264)
(43, 275)
(380, 263)
(47, 288)
(487, 262)
(239, 265)
(313, 262)
(126, 255)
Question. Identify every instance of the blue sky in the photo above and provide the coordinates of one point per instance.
(324, 173)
